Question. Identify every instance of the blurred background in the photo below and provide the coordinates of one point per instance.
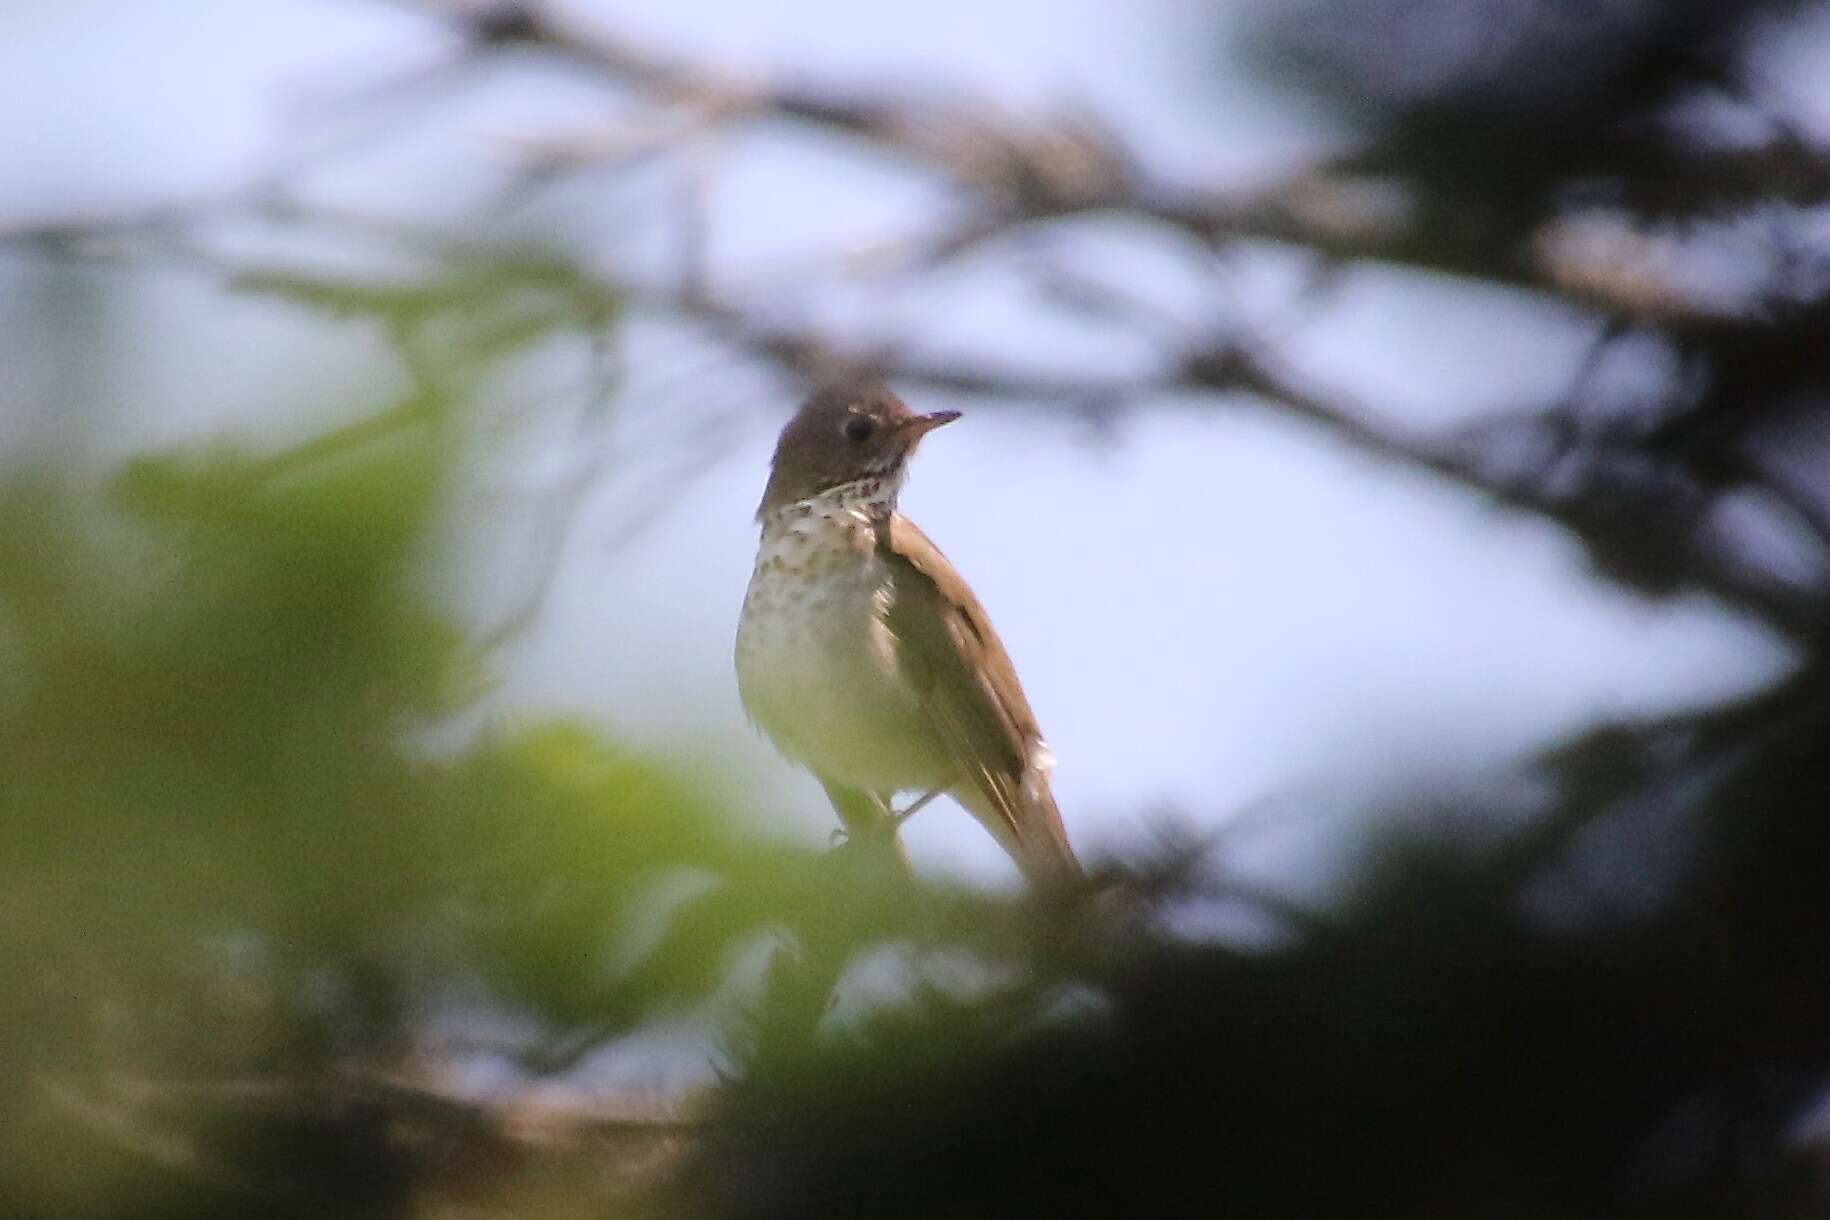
(1396, 454)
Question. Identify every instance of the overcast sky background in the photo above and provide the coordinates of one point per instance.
(1208, 606)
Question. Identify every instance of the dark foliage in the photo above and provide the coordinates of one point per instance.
(1434, 1048)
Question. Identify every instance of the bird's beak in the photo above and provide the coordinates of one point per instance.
(921, 425)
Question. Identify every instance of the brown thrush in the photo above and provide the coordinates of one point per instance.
(866, 658)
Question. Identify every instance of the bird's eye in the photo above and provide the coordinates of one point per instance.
(859, 428)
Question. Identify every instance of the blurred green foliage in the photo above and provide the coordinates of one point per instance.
(251, 859)
(240, 855)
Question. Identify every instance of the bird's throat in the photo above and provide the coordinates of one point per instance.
(861, 503)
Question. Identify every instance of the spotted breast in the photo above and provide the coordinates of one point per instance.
(816, 663)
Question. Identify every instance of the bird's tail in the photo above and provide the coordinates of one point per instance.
(1031, 832)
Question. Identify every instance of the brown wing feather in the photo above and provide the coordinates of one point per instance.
(969, 688)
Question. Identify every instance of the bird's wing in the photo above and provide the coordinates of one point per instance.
(949, 653)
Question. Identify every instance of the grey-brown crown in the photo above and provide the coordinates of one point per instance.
(843, 434)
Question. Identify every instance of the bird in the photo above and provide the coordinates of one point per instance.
(865, 657)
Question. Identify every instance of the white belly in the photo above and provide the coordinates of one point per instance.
(817, 667)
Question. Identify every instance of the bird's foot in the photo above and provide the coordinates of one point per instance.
(915, 808)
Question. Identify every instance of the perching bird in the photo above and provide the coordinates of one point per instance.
(866, 658)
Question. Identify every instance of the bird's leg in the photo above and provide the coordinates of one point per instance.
(869, 824)
(917, 807)
(853, 819)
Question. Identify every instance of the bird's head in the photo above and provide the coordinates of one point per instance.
(845, 434)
